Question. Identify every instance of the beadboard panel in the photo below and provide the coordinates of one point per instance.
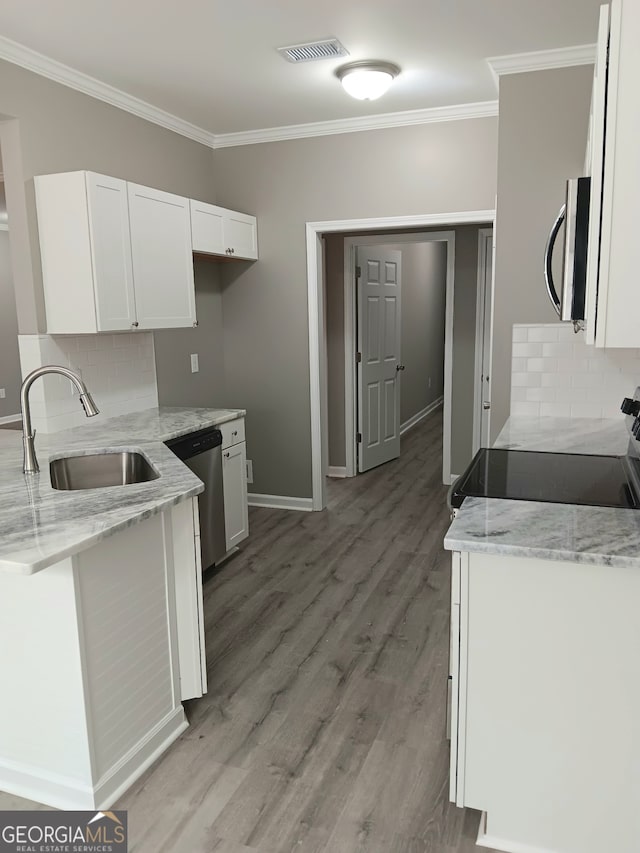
(129, 683)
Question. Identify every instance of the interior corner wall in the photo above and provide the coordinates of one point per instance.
(542, 140)
(420, 170)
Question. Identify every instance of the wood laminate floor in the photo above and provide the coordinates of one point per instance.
(323, 730)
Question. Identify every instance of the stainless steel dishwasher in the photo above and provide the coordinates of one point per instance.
(201, 452)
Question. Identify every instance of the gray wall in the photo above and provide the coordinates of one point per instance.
(464, 343)
(424, 279)
(10, 377)
(62, 130)
(542, 140)
(425, 169)
(177, 386)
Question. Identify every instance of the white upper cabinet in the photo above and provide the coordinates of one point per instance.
(162, 258)
(115, 255)
(218, 231)
(83, 221)
(615, 233)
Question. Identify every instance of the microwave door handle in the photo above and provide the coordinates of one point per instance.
(571, 209)
(548, 256)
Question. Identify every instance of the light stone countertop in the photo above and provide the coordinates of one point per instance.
(40, 526)
(581, 534)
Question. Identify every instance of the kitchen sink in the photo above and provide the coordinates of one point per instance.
(99, 470)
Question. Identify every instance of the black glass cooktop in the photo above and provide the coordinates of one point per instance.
(566, 478)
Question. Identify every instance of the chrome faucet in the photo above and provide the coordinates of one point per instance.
(28, 434)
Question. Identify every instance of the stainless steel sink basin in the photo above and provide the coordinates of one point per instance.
(98, 470)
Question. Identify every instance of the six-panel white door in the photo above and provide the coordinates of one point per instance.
(379, 345)
(162, 258)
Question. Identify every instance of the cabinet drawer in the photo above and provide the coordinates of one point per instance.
(232, 432)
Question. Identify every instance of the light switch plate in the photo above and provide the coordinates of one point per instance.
(3, 393)
(195, 367)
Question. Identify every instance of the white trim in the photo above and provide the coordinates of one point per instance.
(23, 56)
(452, 479)
(484, 235)
(542, 60)
(11, 419)
(313, 230)
(406, 118)
(338, 471)
(420, 416)
(4, 226)
(486, 840)
(281, 502)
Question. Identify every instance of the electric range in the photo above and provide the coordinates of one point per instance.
(565, 478)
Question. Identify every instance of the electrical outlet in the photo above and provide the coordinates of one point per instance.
(249, 471)
(3, 393)
(195, 366)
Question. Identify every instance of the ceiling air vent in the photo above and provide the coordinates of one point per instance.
(313, 50)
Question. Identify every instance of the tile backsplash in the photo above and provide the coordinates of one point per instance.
(119, 371)
(553, 372)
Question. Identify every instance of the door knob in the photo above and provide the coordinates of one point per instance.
(399, 366)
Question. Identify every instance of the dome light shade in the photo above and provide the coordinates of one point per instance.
(367, 80)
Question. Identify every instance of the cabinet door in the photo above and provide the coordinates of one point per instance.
(110, 252)
(162, 258)
(241, 235)
(618, 293)
(207, 228)
(234, 480)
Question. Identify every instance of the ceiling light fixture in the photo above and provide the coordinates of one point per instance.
(367, 80)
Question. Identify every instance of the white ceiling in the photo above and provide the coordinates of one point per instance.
(214, 63)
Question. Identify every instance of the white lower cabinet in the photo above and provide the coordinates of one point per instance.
(99, 651)
(545, 721)
(234, 479)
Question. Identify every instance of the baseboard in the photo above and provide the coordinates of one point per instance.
(282, 502)
(452, 479)
(337, 471)
(10, 419)
(407, 425)
(67, 793)
(486, 840)
(109, 788)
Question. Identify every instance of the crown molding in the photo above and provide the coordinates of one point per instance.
(31, 60)
(407, 118)
(23, 56)
(542, 60)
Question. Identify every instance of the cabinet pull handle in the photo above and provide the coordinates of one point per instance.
(227, 454)
(235, 432)
(135, 324)
(195, 323)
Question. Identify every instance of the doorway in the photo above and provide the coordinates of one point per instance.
(437, 389)
(317, 318)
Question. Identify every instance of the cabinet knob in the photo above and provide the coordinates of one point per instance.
(135, 324)
(228, 251)
(233, 251)
(195, 323)
(227, 454)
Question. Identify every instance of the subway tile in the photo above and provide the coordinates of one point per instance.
(527, 350)
(573, 365)
(543, 334)
(520, 335)
(564, 350)
(518, 365)
(526, 380)
(541, 395)
(586, 380)
(555, 380)
(586, 410)
(539, 365)
(532, 409)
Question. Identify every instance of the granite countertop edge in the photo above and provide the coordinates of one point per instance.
(42, 526)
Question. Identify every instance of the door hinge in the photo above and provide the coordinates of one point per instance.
(358, 272)
(358, 357)
(359, 438)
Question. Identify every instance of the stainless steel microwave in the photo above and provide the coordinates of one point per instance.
(574, 214)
